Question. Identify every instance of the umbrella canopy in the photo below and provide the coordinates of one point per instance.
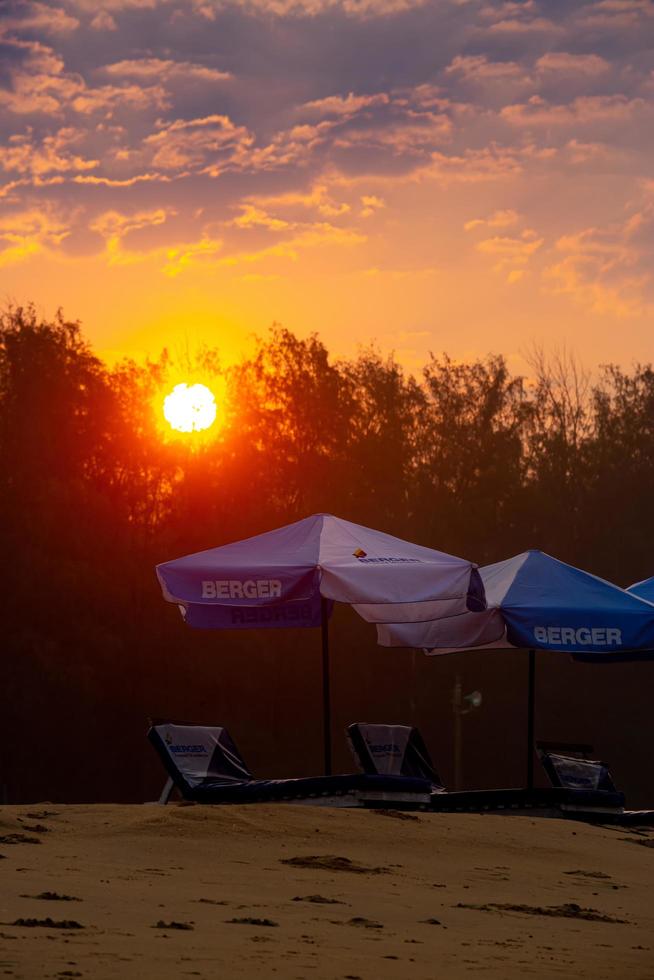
(291, 577)
(538, 602)
(644, 589)
(277, 579)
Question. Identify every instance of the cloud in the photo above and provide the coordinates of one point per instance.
(31, 15)
(310, 236)
(210, 144)
(511, 254)
(254, 217)
(27, 233)
(164, 69)
(103, 21)
(370, 204)
(475, 166)
(53, 154)
(113, 227)
(608, 269)
(477, 68)
(196, 253)
(343, 106)
(615, 15)
(318, 198)
(562, 62)
(381, 131)
(359, 9)
(520, 27)
(582, 111)
(108, 98)
(38, 82)
(498, 219)
(116, 182)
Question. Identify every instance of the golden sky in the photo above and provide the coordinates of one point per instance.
(455, 175)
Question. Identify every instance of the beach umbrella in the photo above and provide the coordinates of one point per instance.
(290, 577)
(644, 589)
(536, 602)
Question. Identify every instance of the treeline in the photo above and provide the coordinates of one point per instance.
(467, 458)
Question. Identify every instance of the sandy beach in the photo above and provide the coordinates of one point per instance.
(297, 891)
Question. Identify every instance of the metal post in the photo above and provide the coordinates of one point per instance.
(457, 705)
(531, 700)
(326, 700)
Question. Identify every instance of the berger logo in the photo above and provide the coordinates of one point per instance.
(188, 749)
(359, 553)
(388, 748)
(583, 636)
(262, 588)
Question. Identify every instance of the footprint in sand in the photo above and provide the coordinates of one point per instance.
(332, 862)
(48, 923)
(53, 897)
(363, 923)
(570, 910)
(247, 920)
(18, 839)
(185, 926)
(318, 900)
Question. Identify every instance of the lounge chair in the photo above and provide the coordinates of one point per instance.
(586, 781)
(401, 750)
(392, 750)
(205, 766)
(579, 787)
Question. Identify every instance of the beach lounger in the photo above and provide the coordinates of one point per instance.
(396, 750)
(204, 764)
(579, 787)
(588, 782)
(401, 750)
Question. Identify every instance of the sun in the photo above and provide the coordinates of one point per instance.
(190, 408)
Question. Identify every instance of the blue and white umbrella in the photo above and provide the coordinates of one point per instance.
(290, 577)
(644, 590)
(536, 602)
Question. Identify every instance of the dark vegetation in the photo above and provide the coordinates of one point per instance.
(468, 458)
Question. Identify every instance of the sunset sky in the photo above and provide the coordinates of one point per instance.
(455, 175)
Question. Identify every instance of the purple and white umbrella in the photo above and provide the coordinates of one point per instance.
(290, 577)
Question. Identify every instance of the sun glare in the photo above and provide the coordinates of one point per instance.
(190, 408)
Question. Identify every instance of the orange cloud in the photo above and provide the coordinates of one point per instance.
(562, 62)
(160, 68)
(210, 143)
(512, 254)
(498, 219)
(35, 16)
(582, 110)
(27, 233)
(370, 204)
(53, 154)
(608, 269)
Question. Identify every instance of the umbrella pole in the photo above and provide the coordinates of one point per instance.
(326, 700)
(531, 700)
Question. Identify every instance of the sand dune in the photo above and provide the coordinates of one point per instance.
(297, 892)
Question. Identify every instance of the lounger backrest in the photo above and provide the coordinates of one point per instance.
(571, 772)
(193, 754)
(391, 750)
